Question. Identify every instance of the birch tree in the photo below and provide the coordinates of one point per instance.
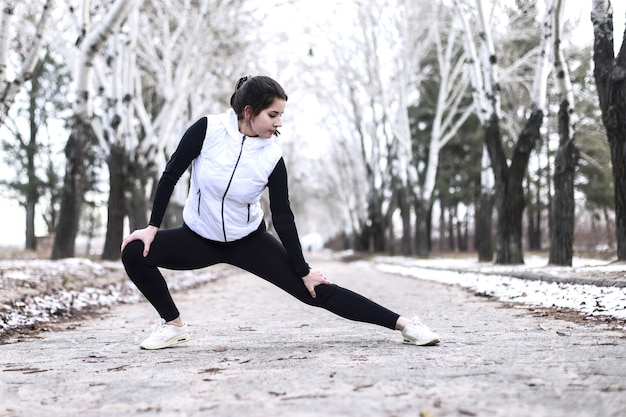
(26, 148)
(380, 91)
(508, 175)
(566, 159)
(32, 44)
(149, 81)
(450, 113)
(189, 55)
(609, 74)
(82, 134)
(26, 67)
(118, 127)
(357, 73)
(483, 72)
(361, 77)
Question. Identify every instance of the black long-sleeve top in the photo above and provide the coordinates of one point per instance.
(189, 149)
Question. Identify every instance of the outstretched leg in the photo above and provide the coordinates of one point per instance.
(263, 255)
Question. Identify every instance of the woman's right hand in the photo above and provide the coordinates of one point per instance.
(313, 279)
(146, 235)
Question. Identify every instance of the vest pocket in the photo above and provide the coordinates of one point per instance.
(248, 213)
(199, 194)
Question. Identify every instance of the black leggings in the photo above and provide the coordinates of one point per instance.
(259, 253)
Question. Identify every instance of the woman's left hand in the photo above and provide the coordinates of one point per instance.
(146, 235)
(313, 279)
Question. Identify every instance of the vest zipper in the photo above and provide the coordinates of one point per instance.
(243, 139)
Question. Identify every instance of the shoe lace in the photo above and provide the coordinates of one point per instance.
(417, 321)
(157, 326)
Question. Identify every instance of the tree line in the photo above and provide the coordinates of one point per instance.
(469, 107)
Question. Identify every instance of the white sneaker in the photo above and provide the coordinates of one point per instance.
(166, 335)
(417, 333)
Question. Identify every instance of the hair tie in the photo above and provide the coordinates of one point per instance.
(241, 81)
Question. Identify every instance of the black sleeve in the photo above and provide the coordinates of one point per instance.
(283, 219)
(188, 149)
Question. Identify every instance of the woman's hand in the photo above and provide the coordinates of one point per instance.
(145, 235)
(313, 279)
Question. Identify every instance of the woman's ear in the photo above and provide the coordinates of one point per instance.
(247, 112)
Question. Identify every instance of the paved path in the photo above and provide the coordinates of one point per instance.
(257, 352)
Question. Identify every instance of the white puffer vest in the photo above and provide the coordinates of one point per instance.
(227, 180)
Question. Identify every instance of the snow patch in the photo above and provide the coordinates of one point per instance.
(590, 300)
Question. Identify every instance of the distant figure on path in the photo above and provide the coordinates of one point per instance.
(233, 157)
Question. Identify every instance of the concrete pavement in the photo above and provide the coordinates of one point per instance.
(255, 351)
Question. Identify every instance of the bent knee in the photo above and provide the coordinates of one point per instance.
(132, 252)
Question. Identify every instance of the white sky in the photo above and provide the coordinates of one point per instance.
(575, 9)
(12, 221)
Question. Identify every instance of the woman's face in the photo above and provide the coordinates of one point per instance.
(265, 123)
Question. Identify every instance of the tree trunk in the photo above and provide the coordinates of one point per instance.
(563, 206)
(610, 76)
(422, 234)
(509, 185)
(566, 159)
(116, 205)
(510, 204)
(390, 246)
(390, 242)
(405, 213)
(137, 205)
(33, 185)
(73, 189)
(442, 227)
(618, 150)
(534, 218)
(361, 239)
(460, 243)
(464, 235)
(484, 226)
(451, 229)
(32, 148)
(31, 240)
(608, 226)
(377, 226)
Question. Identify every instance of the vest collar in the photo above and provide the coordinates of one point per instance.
(229, 120)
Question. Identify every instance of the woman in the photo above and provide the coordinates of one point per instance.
(234, 157)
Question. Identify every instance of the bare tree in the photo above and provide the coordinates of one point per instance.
(25, 150)
(82, 133)
(379, 78)
(509, 176)
(450, 113)
(185, 69)
(566, 159)
(610, 73)
(362, 88)
(9, 88)
(486, 98)
(117, 118)
(147, 77)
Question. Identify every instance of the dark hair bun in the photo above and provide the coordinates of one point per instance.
(241, 80)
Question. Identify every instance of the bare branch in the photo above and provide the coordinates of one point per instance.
(9, 89)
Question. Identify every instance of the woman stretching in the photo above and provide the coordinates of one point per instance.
(233, 157)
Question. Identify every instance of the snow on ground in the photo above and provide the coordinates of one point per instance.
(34, 292)
(590, 300)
